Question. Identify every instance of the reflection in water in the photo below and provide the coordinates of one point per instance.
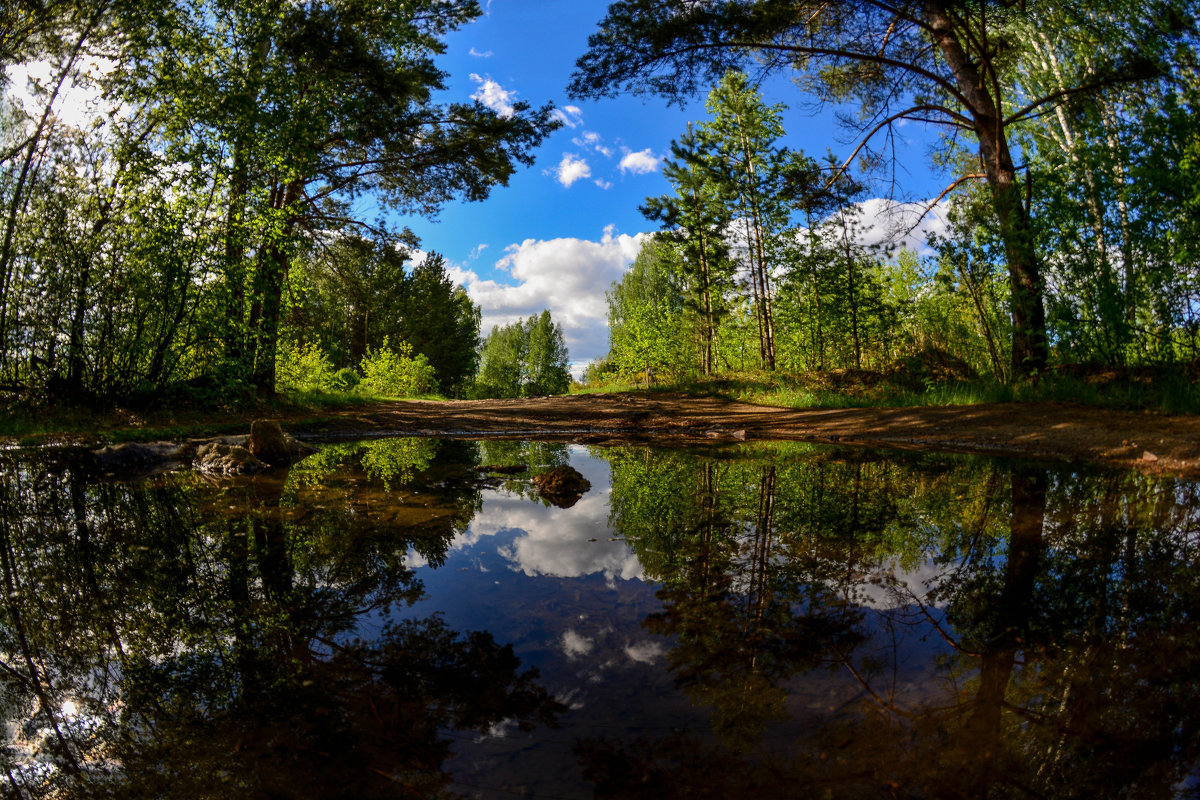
(772, 621)
(178, 639)
(1059, 609)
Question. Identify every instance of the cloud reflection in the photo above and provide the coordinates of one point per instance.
(557, 542)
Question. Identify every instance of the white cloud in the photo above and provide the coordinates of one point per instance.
(571, 169)
(477, 54)
(646, 652)
(576, 645)
(642, 162)
(80, 103)
(603, 184)
(493, 95)
(891, 225)
(571, 116)
(569, 276)
(590, 140)
(477, 250)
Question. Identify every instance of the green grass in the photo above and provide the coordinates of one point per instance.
(1163, 391)
(32, 426)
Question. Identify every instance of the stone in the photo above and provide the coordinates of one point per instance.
(140, 456)
(270, 445)
(218, 458)
(562, 486)
(1148, 456)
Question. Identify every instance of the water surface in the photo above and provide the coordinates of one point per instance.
(393, 618)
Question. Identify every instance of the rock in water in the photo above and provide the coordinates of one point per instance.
(217, 458)
(269, 444)
(562, 486)
(135, 457)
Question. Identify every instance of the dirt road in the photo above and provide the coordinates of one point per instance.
(1148, 442)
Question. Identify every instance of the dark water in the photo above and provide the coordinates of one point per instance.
(392, 619)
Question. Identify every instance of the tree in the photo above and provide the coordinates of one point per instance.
(695, 221)
(751, 172)
(647, 331)
(546, 356)
(933, 61)
(298, 112)
(440, 321)
(502, 362)
(327, 101)
(246, 133)
(528, 357)
(346, 294)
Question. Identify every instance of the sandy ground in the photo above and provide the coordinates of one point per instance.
(1152, 443)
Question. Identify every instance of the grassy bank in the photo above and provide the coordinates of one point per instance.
(1172, 391)
(27, 425)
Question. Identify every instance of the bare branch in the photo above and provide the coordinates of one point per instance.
(957, 119)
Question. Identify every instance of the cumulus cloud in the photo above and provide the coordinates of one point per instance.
(575, 644)
(645, 652)
(889, 225)
(477, 54)
(477, 250)
(590, 140)
(571, 116)
(642, 162)
(902, 225)
(571, 169)
(569, 276)
(493, 95)
(603, 184)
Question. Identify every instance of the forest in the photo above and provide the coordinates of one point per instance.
(222, 228)
(1070, 142)
(203, 238)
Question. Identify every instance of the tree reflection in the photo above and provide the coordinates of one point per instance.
(1057, 622)
(176, 638)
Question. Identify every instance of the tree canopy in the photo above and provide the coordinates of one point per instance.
(950, 64)
(243, 135)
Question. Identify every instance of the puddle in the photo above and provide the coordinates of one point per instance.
(390, 618)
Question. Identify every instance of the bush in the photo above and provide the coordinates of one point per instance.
(394, 371)
(303, 368)
(346, 379)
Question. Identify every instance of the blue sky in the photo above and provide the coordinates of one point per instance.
(561, 232)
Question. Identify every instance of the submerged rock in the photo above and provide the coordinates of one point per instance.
(218, 458)
(269, 444)
(562, 486)
(140, 456)
(266, 446)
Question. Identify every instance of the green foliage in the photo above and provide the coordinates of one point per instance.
(650, 333)
(394, 371)
(524, 359)
(546, 357)
(171, 237)
(346, 379)
(354, 293)
(973, 69)
(305, 368)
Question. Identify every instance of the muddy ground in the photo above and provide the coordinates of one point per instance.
(1152, 443)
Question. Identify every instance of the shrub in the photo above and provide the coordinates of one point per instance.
(346, 379)
(394, 371)
(303, 368)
